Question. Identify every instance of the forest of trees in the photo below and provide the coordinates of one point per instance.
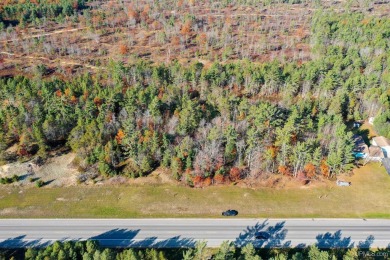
(227, 251)
(25, 12)
(208, 124)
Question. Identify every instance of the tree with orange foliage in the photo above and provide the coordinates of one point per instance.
(324, 169)
(310, 170)
(145, 13)
(98, 101)
(207, 182)
(197, 181)
(202, 38)
(73, 100)
(284, 170)
(58, 93)
(273, 151)
(22, 151)
(175, 41)
(67, 92)
(228, 20)
(235, 174)
(219, 179)
(186, 28)
(119, 136)
(133, 14)
(123, 49)
(300, 32)
(85, 95)
(180, 3)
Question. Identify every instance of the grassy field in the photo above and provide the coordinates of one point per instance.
(368, 197)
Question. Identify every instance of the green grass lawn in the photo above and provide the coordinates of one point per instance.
(368, 197)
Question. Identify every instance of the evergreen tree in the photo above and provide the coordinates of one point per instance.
(225, 251)
(316, 254)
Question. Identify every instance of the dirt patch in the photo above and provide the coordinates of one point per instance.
(56, 172)
(12, 149)
(159, 176)
(118, 180)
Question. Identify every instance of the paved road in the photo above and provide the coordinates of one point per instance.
(185, 232)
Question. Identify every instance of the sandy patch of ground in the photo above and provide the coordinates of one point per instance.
(12, 149)
(159, 176)
(56, 171)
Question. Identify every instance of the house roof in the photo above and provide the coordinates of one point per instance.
(376, 151)
(360, 145)
(381, 141)
(386, 163)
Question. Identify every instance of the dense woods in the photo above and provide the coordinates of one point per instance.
(227, 251)
(207, 123)
(38, 12)
(214, 92)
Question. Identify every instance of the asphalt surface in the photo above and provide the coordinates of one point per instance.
(161, 233)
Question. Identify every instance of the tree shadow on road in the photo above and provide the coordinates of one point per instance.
(338, 245)
(176, 241)
(127, 238)
(335, 240)
(22, 242)
(366, 244)
(277, 236)
(118, 237)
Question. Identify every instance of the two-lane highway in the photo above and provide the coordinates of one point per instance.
(185, 232)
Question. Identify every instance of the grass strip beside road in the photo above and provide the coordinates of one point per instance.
(367, 198)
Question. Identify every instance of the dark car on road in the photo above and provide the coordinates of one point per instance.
(230, 212)
(262, 235)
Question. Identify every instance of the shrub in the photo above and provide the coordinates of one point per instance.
(219, 178)
(310, 170)
(284, 170)
(207, 182)
(15, 178)
(197, 181)
(235, 174)
(39, 183)
(8, 180)
(123, 49)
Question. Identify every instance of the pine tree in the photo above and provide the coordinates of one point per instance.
(230, 147)
(316, 254)
(39, 137)
(225, 251)
(189, 116)
(248, 252)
